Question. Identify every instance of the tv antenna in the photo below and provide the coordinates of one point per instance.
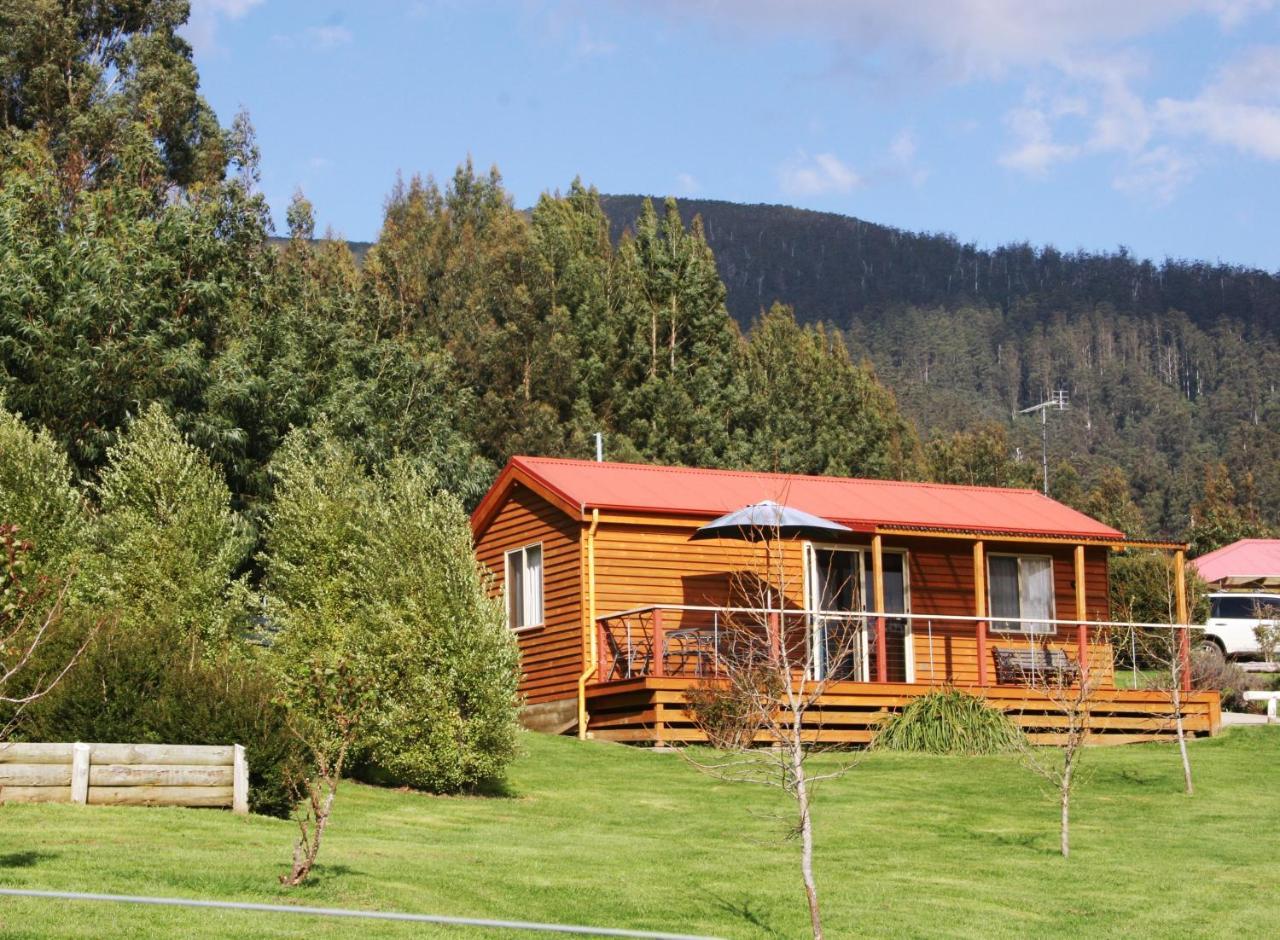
(1056, 401)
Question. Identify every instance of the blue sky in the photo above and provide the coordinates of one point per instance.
(1079, 123)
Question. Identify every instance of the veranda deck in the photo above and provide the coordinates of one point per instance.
(653, 710)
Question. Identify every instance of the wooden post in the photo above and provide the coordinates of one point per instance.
(775, 637)
(980, 607)
(877, 590)
(657, 669)
(80, 754)
(1082, 654)
(239, 781)
(1184, 632)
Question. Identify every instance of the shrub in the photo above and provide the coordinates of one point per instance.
(37, 494)
(375, 571)
(1142, 591)
(159, 562)
(1210, 671)
(140, 686)
(168, 545)
(948, 721)
(729, 712)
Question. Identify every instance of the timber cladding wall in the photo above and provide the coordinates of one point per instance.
(942, 582)
(649, 559)
(125, 774)
(551, 654)
(643, 560)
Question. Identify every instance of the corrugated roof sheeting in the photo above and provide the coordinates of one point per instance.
(860, 504)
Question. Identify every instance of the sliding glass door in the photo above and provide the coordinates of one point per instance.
(840, 579)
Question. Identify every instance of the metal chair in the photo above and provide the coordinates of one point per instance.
(630, 660)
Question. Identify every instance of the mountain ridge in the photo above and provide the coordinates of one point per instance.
(832, 267)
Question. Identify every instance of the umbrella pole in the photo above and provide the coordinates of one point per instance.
(772, 620)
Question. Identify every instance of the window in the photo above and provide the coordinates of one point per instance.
(1241, 606)
(1021, 586)
(524, 587)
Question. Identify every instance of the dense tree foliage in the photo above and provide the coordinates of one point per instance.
(38, 495)
(837, 269)
(90, 76)
(811, 409)
(371, 579)
(1169, 368)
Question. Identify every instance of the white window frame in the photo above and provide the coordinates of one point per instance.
(1020, 629)
(531, 595)
(864, 567)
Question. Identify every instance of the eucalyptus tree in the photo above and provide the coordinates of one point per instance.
(811, 409)
(92, 77)
(678, 382)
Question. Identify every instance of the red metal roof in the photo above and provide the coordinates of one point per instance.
(1242, 561)
(860, 504)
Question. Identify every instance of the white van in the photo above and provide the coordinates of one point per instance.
(1232, 619)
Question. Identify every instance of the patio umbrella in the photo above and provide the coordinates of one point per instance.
(763, 521)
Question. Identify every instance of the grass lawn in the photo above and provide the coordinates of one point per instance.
(1144, 678)
(908, 846)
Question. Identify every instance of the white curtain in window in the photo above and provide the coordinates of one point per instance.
(533, 585)
(1035, 584)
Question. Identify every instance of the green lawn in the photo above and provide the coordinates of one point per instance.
(1143, 679)
(598, 833)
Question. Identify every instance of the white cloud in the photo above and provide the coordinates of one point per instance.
(1240, 108)
(316, 38)
(591, 46)
(202, 25)
(687, 184)
(960, 38)
(903, 147)
(820, 175)
(1082, 63)
(1157, 174)
(904, 159)
(1036, 151)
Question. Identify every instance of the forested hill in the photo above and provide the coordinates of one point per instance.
(136, 270)
(833, 267)
(1170, 369)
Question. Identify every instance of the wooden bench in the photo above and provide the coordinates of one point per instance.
(1026, 666)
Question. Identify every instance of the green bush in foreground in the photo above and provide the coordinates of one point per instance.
(949, 721)
(141, 686)
(372, 575)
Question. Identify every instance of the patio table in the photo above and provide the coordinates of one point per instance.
(691, 643)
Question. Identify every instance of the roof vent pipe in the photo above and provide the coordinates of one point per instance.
(599, 447)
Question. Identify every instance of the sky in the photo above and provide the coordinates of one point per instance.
(1152, 124)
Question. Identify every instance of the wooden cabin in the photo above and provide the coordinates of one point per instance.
(618, 611)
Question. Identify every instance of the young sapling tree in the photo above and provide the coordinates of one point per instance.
(759, 706)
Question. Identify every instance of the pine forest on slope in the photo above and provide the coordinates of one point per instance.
(1169, 368)
(136, 268)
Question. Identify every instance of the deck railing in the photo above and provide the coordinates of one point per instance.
(675, 640)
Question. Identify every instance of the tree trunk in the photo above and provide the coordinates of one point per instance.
(673, 335)
(1065, 793)
(806, 835)
(653, 341)
(307, 848)
(1188, 786)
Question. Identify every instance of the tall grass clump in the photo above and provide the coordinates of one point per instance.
(948, 721)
